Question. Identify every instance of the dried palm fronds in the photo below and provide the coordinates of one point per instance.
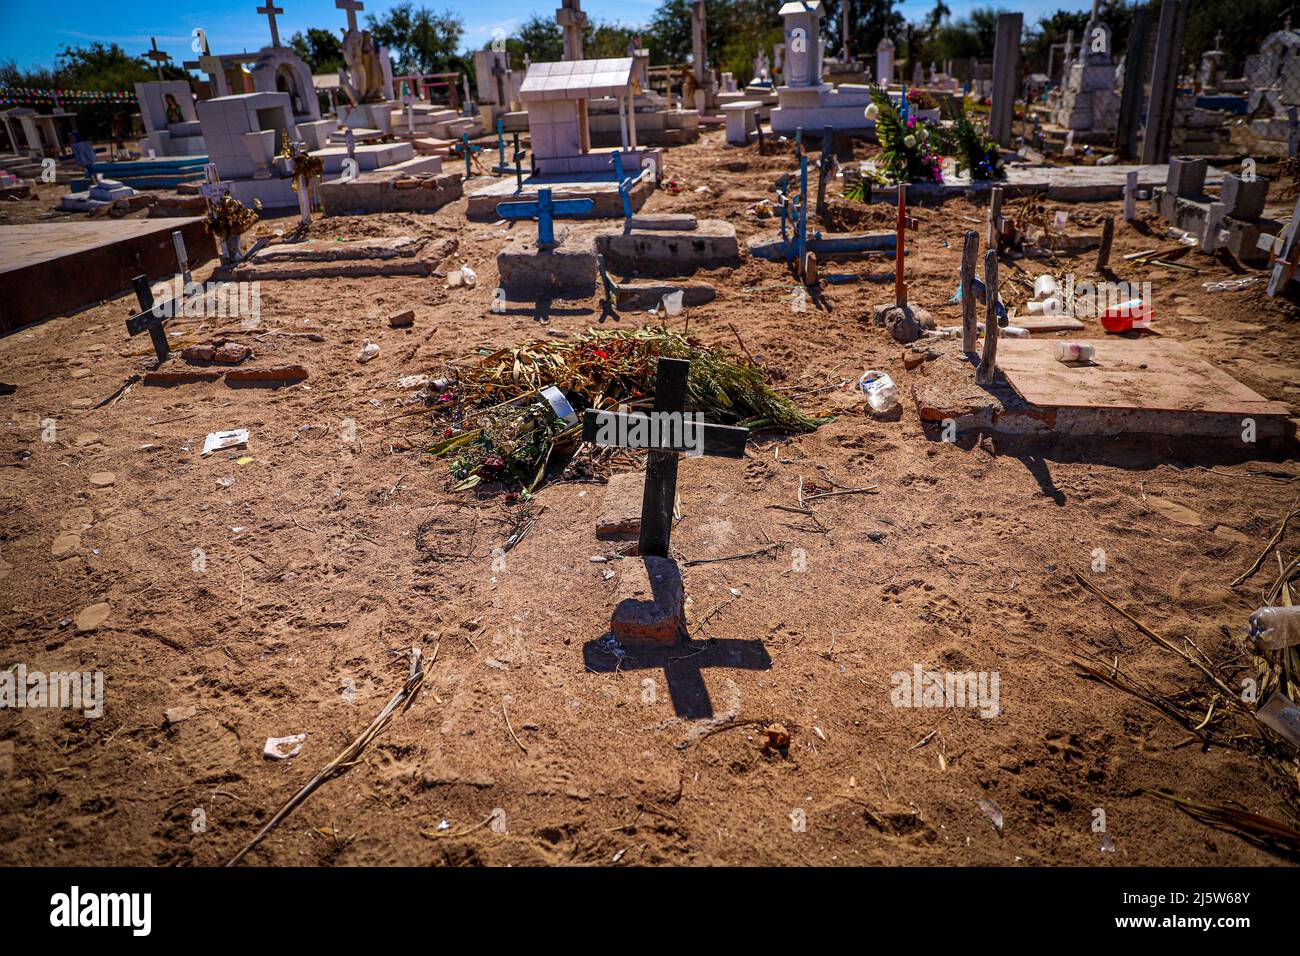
(307, 173)
(1221, 713)
(229, 217)
(497, 427)
(1262, 831)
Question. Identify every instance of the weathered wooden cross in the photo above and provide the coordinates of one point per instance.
(664, 434)
(147, 319)
(824, 167)
(544, 210)
(271, 11)
(157, 55)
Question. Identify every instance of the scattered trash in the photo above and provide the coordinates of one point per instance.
(1230, 285)
(1107, 844)
(560, 405)
(1280, 715)
(1075, 352)
(174, 715)
(881, 392)
(463, 276)
(220, 441)
(91, 617)
(368, 351)
(282, 748)
(610, 645)
(672, 302)
(226, 482)
(993, 812)
(1275, 628)
(1127, 316)
(413, 381)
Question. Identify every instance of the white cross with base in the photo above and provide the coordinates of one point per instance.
(352, 7)
(271, 10)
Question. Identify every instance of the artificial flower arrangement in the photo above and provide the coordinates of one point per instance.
(972, 149)
(908, 148)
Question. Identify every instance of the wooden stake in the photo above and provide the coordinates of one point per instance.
(1107, 237)
(969, 321)
(995, 218)
(900, 283)
(988, 363)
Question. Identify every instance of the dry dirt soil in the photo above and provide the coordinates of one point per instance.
(326, 559)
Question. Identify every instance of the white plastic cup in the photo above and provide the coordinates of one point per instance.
(1075, 352)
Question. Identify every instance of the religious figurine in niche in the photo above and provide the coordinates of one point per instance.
(363, 79)
(173, 109)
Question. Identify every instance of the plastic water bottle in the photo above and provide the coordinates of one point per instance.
(1274, 628)
(881, 392)
(1075, 352)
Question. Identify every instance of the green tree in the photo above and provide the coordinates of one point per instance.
(421, 41)
(735, 31)
(541, 38)
(971, 36)
(320, 49)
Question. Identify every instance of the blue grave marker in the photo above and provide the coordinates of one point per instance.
(469, 151)
(545, 210)
(624, 185)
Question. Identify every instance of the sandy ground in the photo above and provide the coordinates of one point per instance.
(325, 559)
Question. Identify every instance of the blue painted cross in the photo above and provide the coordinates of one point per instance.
(469, 151)
(501, 140)
(624, 185)
(544, 210)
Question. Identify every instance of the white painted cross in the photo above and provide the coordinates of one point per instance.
(271, 10)
(352, 7)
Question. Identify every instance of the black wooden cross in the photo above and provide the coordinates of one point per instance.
(148, 319)
(665, 433)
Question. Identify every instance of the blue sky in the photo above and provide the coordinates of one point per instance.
(32, 35)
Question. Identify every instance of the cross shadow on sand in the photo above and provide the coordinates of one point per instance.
(683, 665)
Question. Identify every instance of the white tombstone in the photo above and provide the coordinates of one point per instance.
(170, 122)
(884, 61)
(803, 47)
